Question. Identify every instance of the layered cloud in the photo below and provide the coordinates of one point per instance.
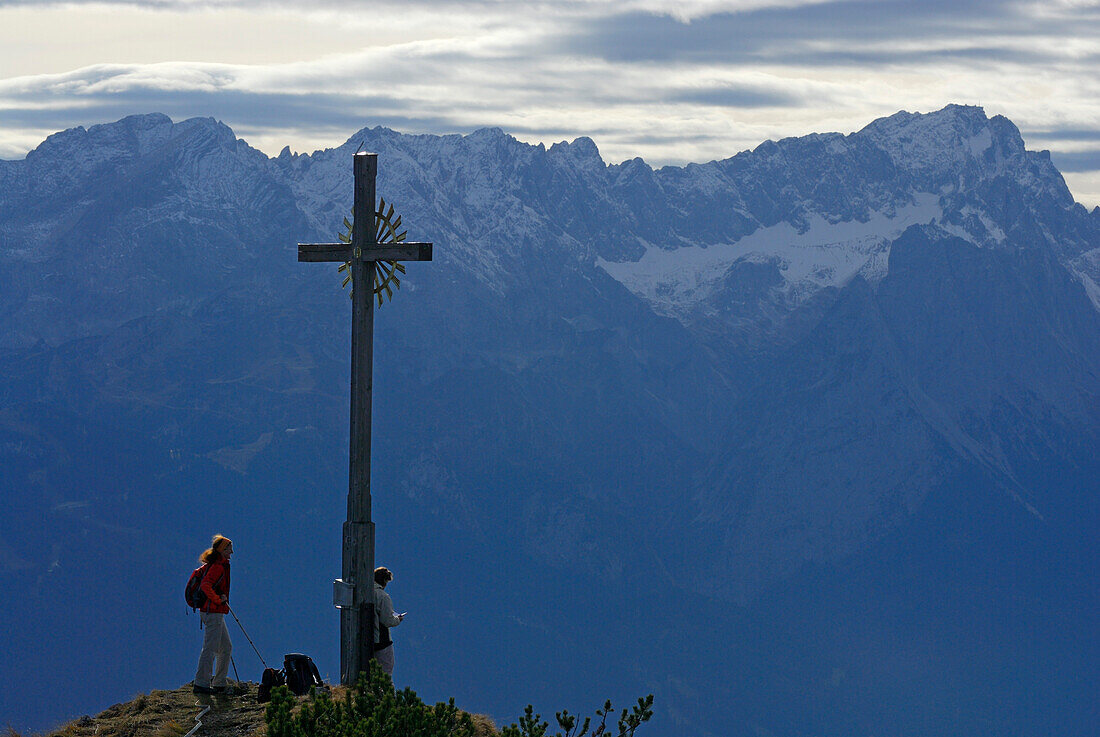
(668, 81)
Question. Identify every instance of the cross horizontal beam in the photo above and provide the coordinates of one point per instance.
(343, 252)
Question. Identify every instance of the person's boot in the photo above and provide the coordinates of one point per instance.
(202, 689)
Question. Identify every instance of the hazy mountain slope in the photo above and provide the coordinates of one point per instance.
(952, 362)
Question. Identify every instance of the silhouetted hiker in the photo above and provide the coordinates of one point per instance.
(384, 618)
(216, 647)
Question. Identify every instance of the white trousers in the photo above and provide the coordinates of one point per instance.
(216, 649)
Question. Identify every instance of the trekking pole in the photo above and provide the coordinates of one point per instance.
(250, 642)
(236, 675)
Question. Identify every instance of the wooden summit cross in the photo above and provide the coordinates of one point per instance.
(354, 592)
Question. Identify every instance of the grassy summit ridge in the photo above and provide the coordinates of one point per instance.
(172, 714)
(371, 707)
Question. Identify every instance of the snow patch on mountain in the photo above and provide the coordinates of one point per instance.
(1086, 268)
(980, 142)
(975, 226)
(824, 254)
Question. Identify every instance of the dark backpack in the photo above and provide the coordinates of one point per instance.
(384, 640)
(193, 593)
(301, 673)
(271, 678)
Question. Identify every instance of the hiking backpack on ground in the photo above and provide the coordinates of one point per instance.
(193, 593)
(301, 673)
(270, 679)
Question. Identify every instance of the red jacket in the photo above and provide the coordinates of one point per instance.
(215, 584)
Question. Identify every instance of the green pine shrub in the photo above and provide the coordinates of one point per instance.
(373, 709)
(530, 726)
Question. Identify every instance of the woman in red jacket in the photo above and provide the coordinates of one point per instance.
(216, 647)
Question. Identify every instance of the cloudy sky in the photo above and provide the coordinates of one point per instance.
(668, 80)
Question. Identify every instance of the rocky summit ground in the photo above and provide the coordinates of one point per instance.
(173, 714)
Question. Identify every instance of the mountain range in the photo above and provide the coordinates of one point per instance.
(804, 441)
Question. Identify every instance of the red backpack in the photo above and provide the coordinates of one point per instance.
(193, 593)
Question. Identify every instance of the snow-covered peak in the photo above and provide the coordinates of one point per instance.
(488, 134)
(154, 170)
(581, 149)
(947, 138)
(945, 126)
(959, 145)
(132, 136)
(824, 208)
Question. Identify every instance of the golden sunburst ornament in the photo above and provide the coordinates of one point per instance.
(385, 232)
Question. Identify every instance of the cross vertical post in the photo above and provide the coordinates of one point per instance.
(357, 622)
(354, 593)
